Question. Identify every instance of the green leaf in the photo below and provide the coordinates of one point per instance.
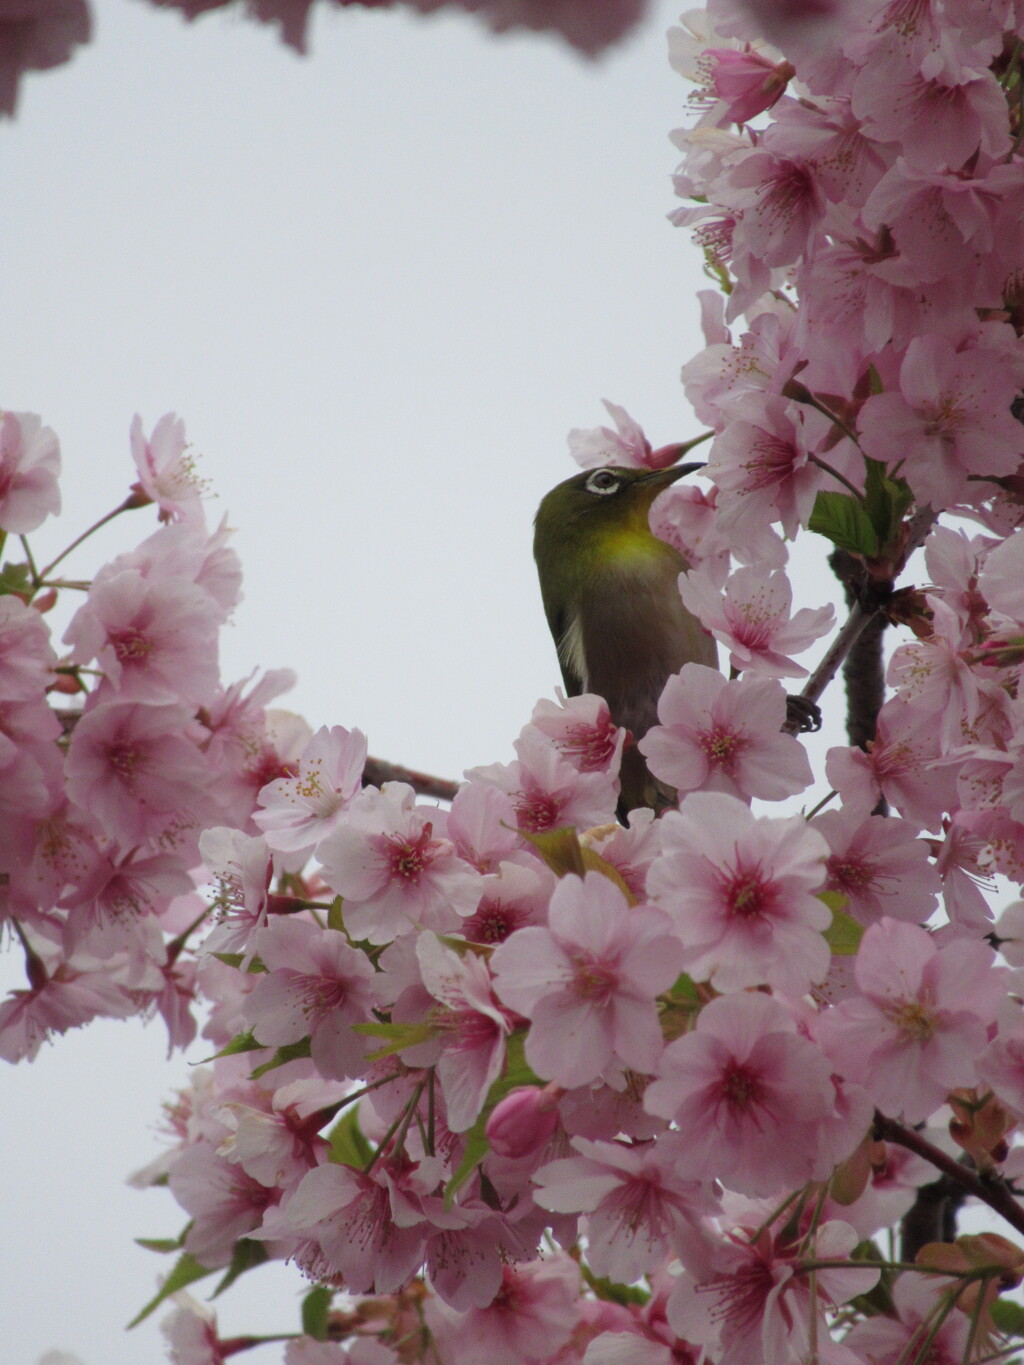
(844, 521)
(186, 1271)
(887, 500)
(397, 1036)
(560, 849)
(334, 919)
(315, 1309)
(247, 1255)
(1008, 1317)
(236, 959)
(161, 1244)
(684, 992)
(289, 1053)
(844, 934)
(613, 1292)
(15, 578)
(348, 1145)
(241, 1042)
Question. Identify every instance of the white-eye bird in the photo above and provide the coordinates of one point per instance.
(610, 591)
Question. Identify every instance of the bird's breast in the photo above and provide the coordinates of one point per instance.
(632, 631)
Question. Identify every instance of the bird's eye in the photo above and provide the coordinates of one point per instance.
(603, 481)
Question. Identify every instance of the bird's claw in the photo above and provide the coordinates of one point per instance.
(803, 716)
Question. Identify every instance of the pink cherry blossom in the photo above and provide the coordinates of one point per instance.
(761, 465)
(949, 419)
(166, 470)
(301, 809)
(278, 1146)
(764, 1309)
(391, 870)
(26, 657)
(547, 791)
(890, 1338)
(473, 1027)
(241, 866)
(63, 998)
(532, 1316)
(513, 897)
(29, 452)
(225, 1202)
(898, 765)
(741, 893)
(879, 865)
(747, 1094)
(912, 1033)
(626, 446)
(779, 204)
(156, 640)
(352, 1216)
(522, 1122)
(719, 735)
(638, 1208)
(752, 619)
(588, 981)
(138, 772)
(581, 729)
(315, 985)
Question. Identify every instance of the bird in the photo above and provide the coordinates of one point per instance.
(611, 597)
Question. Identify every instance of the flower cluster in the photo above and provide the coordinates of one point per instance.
(513, 1080)
(116, 756)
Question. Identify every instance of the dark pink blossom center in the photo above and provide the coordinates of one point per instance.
(125, 759)
(721, 746)
(748, 896)
(131, 645)
(318, 995)
(537, 810)
(595, 980)
(590, 745)
(740, 1087)
(409, 858)
(848, 873)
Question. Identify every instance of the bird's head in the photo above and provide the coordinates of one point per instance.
(602, 510)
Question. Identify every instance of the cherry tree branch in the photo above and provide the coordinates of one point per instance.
(992, 1191)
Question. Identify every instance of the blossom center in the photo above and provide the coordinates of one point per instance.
(720, 746)
(131, 645)
(409, 858)
(913, 1020)
(747, 896)
(595, 980)
(741, 1087)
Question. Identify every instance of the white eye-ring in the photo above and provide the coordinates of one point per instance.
(602, 482)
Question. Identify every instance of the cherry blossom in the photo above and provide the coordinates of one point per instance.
(29, 454)
(166, 471)
(300, 810)
(315, 985)
(752, 619)
(717, 735)
(741, 893)
(391, 870)
(587, 981)
(921, 1017)
(746, 1093)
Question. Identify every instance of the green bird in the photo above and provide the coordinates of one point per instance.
(611, 597)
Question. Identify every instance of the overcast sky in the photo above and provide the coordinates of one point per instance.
(379, 284)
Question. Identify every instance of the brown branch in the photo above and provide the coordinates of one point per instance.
(992, 1191)
(379, 770)
(873, 595)
(376, 772)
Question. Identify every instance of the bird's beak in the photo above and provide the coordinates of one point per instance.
(661, 478)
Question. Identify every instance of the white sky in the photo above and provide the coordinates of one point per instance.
(380, 284)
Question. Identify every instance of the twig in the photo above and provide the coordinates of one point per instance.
(379, 770)
(993, 1192)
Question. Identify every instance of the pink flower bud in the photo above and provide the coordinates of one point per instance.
(523, 1120)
